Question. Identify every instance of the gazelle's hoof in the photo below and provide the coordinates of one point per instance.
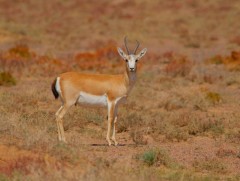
(115, 142)
(63, 141)
(109, 142)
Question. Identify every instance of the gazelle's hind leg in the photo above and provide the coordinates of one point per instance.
(61, 112)
(58, 126)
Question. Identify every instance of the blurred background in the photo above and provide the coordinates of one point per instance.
(61, 26)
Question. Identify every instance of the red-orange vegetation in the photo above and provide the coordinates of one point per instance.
(235, 40)
(20, 57)
(232, 62)
(13, 158)
(178, 65)
(101, 58)
(23, 164)
(16, 58)
(49, 66)
(21, 51)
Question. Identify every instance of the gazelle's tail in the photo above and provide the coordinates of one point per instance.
(54, 90)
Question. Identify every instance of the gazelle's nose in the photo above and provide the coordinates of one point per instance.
(132, 69)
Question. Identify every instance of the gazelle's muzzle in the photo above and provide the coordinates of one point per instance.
(132, 69)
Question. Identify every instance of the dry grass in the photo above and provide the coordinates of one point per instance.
(211, 165)
(178, 66)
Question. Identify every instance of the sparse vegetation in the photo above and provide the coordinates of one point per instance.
(211, 165)
(138, 137)
(198, 126)
(178, 66)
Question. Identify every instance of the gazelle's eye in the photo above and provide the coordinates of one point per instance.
(136, 60)
(126, 60)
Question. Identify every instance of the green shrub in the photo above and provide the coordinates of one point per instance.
(149, 157)
(213, 97)
(215, 60)
(7, 79)
(157, 157)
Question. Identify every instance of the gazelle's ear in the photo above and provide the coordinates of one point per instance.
(121, 53)
(142, 53)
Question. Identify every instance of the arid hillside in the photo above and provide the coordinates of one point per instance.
(181, 121)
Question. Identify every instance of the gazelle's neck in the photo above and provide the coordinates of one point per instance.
(130, 79)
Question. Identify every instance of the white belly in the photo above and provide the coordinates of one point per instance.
(85, 98)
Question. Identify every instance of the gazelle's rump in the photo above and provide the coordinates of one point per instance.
(54, 90)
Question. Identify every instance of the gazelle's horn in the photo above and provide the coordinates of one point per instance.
(125, 41)
(136, 47)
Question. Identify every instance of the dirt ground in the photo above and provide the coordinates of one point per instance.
(181, 121)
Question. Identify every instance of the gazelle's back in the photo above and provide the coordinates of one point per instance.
(72, 83)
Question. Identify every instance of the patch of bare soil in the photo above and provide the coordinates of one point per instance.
(199, 149)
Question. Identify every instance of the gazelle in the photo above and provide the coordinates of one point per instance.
(97, 89)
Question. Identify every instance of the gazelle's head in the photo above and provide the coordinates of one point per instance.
(131, 58)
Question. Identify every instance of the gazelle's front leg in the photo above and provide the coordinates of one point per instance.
(111, 110)
(114, 123)
(114, 131)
